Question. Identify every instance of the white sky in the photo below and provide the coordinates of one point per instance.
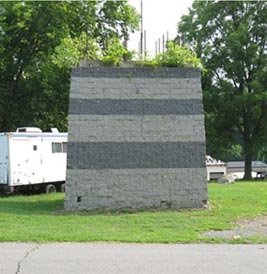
(159, 16)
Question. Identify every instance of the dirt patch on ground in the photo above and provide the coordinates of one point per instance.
(246, 228)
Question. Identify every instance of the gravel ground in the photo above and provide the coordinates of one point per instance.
(246, 228)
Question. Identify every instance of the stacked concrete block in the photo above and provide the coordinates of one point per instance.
(136, 139)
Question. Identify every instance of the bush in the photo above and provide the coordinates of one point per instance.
(174, 56)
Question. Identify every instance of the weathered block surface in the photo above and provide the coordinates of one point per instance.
(136, 139)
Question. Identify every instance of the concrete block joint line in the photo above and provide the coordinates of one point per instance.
(129, 128)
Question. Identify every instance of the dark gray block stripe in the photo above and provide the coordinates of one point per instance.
(110, 155)
(135, 72)
(135, 107)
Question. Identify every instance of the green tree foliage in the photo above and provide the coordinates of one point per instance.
(121, 19)
(39, 42)
(174, 56)
(25, 44)
(178, 56)
(114, 53)
(230, 37)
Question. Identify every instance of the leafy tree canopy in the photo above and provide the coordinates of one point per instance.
(39, 41)
(230, 37)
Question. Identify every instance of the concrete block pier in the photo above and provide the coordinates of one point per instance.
(136, 139)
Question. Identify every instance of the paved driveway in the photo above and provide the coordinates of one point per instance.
(69, 258)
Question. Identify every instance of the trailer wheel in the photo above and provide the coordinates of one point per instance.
(62, 188)
(50, 189)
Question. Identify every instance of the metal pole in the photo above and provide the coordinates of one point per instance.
(145, 40)
(163, 43)
(141, 34)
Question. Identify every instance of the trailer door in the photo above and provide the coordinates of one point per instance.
(26, 164)
(4, 160)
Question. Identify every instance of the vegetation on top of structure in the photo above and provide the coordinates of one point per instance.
(174, 56)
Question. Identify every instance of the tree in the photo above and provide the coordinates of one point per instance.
(29, 33)
(231, 40)
(39, 42)
(121, 18)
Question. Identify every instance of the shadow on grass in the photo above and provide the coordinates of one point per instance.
(23, 207)
(26, 205)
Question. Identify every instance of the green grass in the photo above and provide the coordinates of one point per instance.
(41, 218)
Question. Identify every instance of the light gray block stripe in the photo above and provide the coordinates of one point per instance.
(94, 88)
(135, 72)
(136, 128)
(135, 155)
(135, 107)
(139, 188)
(140, 178)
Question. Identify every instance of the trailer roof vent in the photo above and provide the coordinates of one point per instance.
(54, 130)
(29, 129)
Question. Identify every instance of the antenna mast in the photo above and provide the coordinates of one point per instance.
(141, 34)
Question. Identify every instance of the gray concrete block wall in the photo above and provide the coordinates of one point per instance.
(136, 139)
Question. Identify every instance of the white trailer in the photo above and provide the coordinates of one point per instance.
(33, 160)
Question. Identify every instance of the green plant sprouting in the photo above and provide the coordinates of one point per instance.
(174, 56)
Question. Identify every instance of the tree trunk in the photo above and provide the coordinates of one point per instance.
(248, 165)
(248, 156)
(247, 148)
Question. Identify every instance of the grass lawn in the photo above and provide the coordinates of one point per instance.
(41, 218)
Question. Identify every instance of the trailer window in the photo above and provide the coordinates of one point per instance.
(64, 146)
(58, 147)
(35, 147)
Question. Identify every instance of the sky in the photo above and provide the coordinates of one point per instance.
(159, 17)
